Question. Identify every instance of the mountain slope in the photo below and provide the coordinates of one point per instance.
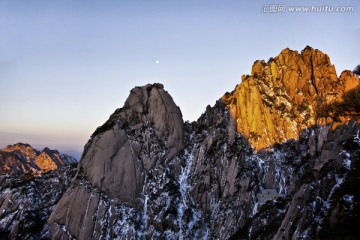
(31, 183)
(26, 203)
(145, 174)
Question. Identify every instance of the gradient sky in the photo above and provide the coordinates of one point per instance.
(65, 66)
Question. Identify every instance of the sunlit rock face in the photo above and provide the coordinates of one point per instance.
(45, 162)
(21, 158)
(145, 174)
(279, 99)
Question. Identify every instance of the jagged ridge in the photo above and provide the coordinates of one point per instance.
(280, 98)
(21, 158)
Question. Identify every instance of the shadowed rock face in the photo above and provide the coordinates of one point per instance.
(145, 174)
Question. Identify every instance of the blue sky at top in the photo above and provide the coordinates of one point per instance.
(65, 66)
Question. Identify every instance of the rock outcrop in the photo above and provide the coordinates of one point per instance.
(259, 164)
(21, 158)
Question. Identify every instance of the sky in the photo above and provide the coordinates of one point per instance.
(65, 66)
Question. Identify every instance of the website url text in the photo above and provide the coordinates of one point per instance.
(282, 8)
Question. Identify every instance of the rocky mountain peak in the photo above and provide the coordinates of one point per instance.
(149, 115)
(49, 151)
(21, 147)
(149, 105)
(136, 145)
(280, 97)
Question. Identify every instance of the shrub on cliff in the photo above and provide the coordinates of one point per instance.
(357, 70)
(350, 106)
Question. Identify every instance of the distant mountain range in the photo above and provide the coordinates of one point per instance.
(21, 158)
(40, 142)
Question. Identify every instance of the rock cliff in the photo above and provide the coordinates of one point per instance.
(259, 164)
